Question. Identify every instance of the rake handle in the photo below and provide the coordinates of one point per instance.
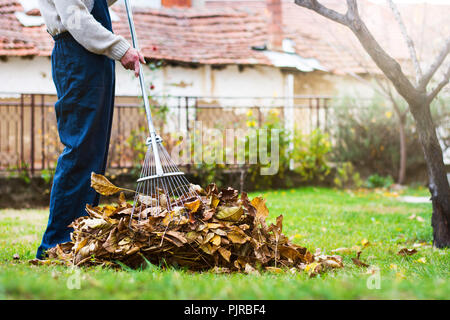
(148, 112)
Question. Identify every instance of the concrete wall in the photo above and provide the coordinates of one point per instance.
(321, 83)
(33, 75)
(28, 75)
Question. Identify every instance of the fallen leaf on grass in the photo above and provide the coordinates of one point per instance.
(342, 250)
(358, 262)
(250, 270)
(418, 218)
(407, 252)
(422, 260)
(274, 270)
(313, 269)
(365, 243)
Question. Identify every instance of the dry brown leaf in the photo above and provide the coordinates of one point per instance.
(93, 212)
(219, 232)
(103, 186)
(225, 253)
(274, 270)
(208, 237)
(342, 250)
(216, 240)
(147, 200)
(208, 214)
(237, 237)
(289, 253)
(229, 213)
(248, 269)
(207, 248)
(193, 206)
(407, 252)
(359, 263)
(214, 201)
(314, 269)
(260, 205)
(122, 200)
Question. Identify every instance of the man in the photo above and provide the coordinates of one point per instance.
(83, 70)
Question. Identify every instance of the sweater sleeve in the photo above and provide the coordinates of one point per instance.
(80, 23)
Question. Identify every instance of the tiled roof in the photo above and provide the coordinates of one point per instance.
(13, 40)
(7, 6)
(213, 36)
(223, 32)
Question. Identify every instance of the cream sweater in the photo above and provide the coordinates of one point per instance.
(75, 17)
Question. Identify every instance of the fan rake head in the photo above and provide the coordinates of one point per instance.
(161, 188)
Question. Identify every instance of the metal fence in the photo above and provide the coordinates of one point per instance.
(29, 137)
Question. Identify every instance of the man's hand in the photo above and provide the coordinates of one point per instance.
(130, 60)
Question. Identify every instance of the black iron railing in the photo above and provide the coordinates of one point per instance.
(29, 137)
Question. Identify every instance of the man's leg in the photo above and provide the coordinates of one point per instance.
(84, 115)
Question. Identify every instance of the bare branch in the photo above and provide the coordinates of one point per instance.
(423, 82)
(386, 63)
(379, 88)
(409, 42)
(323, 11)
(440, 86)
(352, 6)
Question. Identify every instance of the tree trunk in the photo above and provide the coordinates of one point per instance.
(438, 183)
(403, 151)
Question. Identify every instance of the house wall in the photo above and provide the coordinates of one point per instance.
(207, 81)
(26, 75)
(321, 83)
(33, 75)
(308, 116)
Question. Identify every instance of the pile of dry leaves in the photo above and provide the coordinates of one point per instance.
(223, 230)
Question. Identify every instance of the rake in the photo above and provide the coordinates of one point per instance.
(161, 185)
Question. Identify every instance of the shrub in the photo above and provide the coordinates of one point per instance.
(309, 152)
(310, 155)
(347, 177)
(377, 181)
(368, 137)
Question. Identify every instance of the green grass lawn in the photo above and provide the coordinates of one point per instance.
(313, 217)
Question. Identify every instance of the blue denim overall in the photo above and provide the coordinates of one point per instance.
(85, 87)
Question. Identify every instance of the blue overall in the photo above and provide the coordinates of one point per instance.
(85, 87)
